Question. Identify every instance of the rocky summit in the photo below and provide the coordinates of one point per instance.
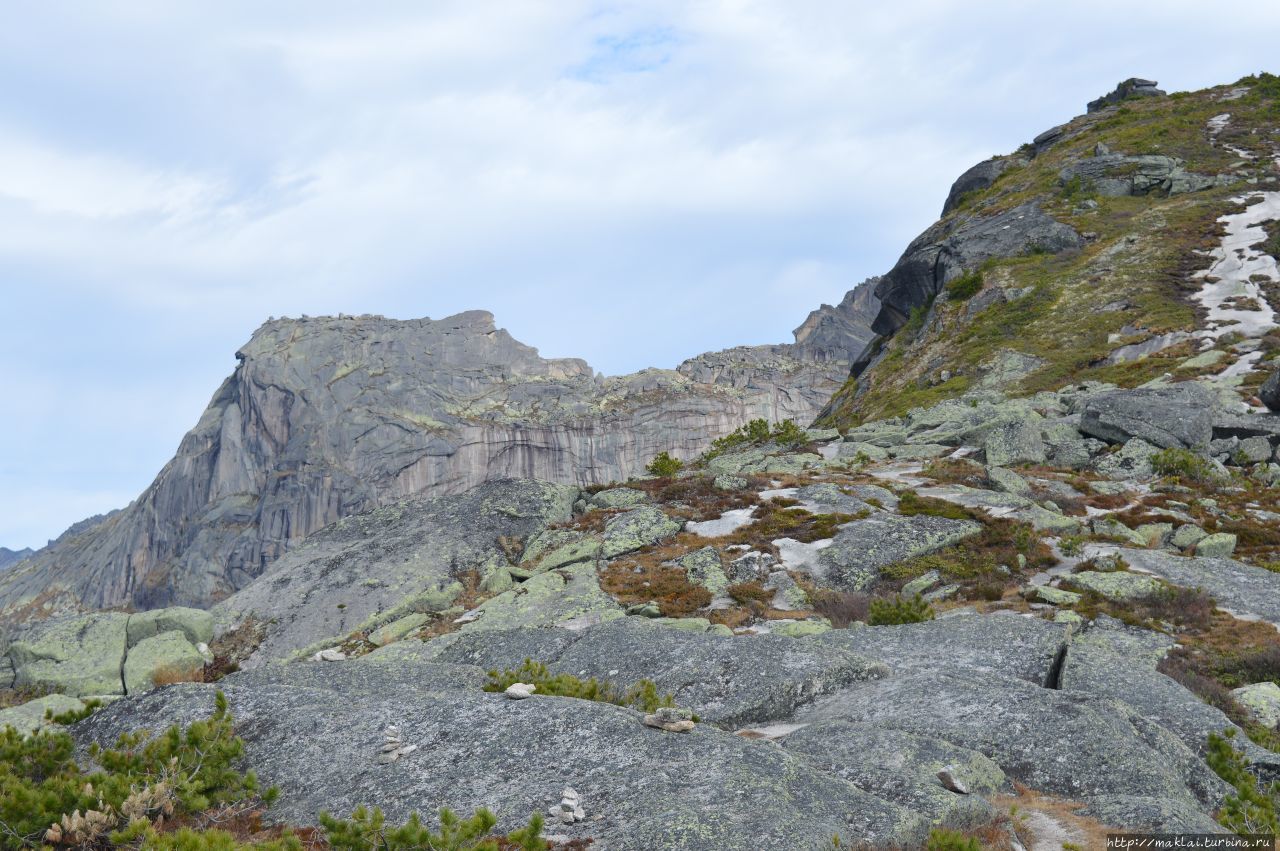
(989, 557)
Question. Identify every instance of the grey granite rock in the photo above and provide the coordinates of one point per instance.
(975, 179)
(1177, 416)
(861, 548)
(637, 528)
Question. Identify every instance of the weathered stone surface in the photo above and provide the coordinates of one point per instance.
(800, 629)
(1237, 587)
(30, 716)
(703, 567)
(902, 767)
(854, 450)
(398, 628)
(76, 655)
(1056, 596)
(1007, 481)
(619, 498)
(861, 548)
(1219, 545)
(1134, 87)
(637, 528)
(1132, 462)
(1154, 814)
(952, 246)
(1269, 392)
(1262, 700)
(1186, 536)
(554, 548)
(1177, 416)
(1016, 441)
(1053, 741)
(1107, 527)
(375, 567)
(8, 556)
(195, 624)
(975, 179)
(168, 652)
(315, 731)
(328, 417)
(568, 595)
(839, 334)
(1116, 175)
(1115, 585)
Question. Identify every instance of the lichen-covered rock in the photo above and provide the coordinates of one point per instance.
(1131, 463)
(372, 568)
(1217, 545)
(903, 767)
(855, 450)
(398, 628)
(1056, 596)
(637, 528)
(703, 567)
(800, 629)
(1116, 585)
(77, 654)
(569, 595)
(861, 548)
(1240, 588)
(195, 624)
(1007, 481)
(729, 482)
(1187, 535)
(30, 716)
(1108, 527)
(168, 653)
(1176, 416)
(1015, 440)
(1262, 700)
(315, 731)
(619, 498)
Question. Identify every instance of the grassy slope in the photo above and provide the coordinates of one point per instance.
(1144, 253)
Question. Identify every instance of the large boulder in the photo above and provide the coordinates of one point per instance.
(315, 730)
(860, 549)
(169, 654)
(1177, 416)
(75, 655)
(975, 179)
(195, 624)
(637, 528)
(1134, 87)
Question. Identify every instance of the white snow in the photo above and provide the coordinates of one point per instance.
(722, 525)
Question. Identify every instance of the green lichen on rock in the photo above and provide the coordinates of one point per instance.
(569, 594)
(76, 655)
(169, 652)
(1116, 585)
(31, 716)
(195, 624)
(636, 529)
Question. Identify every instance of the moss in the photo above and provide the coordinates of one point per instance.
(642, 695)
(1183, 464)
(899, 610)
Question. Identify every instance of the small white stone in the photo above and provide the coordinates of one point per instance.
(390, 746)
(579, 814)
(520, 691)
(332, 654)
(950, 782)
(566, 817)
(408, 749)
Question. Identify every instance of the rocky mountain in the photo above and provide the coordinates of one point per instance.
(326, 417)
(1018, 588)
(8, 556)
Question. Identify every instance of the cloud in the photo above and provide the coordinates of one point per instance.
(627, 182)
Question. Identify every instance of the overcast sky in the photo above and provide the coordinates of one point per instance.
(631, 183)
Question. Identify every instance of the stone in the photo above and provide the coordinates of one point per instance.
(1007, 481)
(1155, 534)
(1016, 440)
(568, 595)
(937, 595)
(787, 596)
(861, 548)
(520, 691)
(1116, 585)
(396, 560)
(398, 628)
(729, 482)
(1252, 450)
(1219, 545)
(1262, 701)
(77, 655)
(975, 179)
(638, 528)
(703, 567)
(751, 566)
(645, 610)
(1107, 527)
(1056, 596)
(331, 654)
(1131, 463)
(619, 498)
(921, 583)
(167, 653)
(195, 624)
(30, 716)
(1134, 87)
(800, 629)
(1269, 392)
(671, 719)
(840, 333)
(1176, 416)
(327, 417)
(1187, 535)
(919, 451)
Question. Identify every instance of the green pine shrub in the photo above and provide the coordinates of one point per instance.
(942, 839)
(367, 831)
(964, 287)
(899, 610)
(1251, 809)
(757, 433)
(664, 466)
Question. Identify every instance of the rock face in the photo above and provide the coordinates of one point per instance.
(1134, 87)
(327, 417)
(954, 246)
(8, 556)
(1179, 416)
(841, 333)
(1114, 175)
(977, 178)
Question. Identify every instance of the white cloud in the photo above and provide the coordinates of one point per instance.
(629, 182)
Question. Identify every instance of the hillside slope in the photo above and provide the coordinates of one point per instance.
(1113, 247)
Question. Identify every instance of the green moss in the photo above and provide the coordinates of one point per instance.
(964, 287)
(899, 610)
(643, 695)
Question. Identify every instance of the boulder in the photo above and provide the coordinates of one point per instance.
(168, 653)
(1134, 87)
(569, 595)
(1007, 481)
(1176, 416)
(1262, 700)
(703, 567)
(195, 624)
(619, 498)
(975, 179)
(861, 548)
(1218, 545)
(1016, 440)
(1187, 535)
(30, 716)
(1253, 450)
(638, 528)
(77, 655)
(1132, 462)
(398, 628)
(1269, 392)
(1115, 585)
(1240, 588)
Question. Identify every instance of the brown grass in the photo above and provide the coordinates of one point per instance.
(841, 607)
(779, 518)
(696, 497)
(642, 577)
(170, 674)
(231, 648)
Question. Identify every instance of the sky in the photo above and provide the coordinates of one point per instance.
(630, 183)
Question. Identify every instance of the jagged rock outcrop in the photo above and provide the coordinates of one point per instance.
(8, 556)
(326, 417)
(842, 332)
(954, 246)
(1115, 175)
(977, 178)
(1134, 87)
